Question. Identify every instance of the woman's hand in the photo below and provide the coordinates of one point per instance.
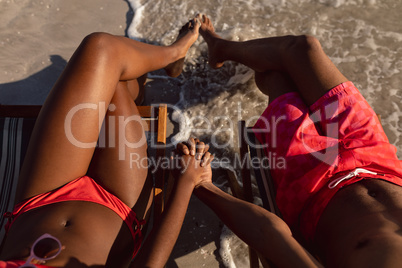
(196, 148)
(192, 162)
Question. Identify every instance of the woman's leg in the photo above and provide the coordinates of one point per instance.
(119, 163)
(63, 141)
(301, 57)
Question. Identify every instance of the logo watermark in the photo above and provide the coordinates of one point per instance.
(116, 134)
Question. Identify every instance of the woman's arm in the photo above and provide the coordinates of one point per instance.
(260, 229)
(159, 245)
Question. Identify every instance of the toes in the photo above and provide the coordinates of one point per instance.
(197, 23)
(205, 19)
(184, 28)
(193, 24)
(205, 22)
(199, 17)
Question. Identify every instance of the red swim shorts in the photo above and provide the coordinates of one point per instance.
(320, 144)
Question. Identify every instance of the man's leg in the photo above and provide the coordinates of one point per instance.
(301, 57)
(274, 84)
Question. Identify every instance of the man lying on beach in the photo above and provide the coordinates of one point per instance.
(340, 193)
(81, 205)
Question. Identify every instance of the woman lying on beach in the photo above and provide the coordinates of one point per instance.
(340, 193)
(82, 204)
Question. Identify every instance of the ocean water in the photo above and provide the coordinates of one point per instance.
(362, 37)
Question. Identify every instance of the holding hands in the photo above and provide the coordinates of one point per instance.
(193, 162)
(191, 168)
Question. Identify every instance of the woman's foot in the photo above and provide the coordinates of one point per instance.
(207, 31)
(188, 34)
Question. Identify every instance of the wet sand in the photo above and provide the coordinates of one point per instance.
(38, 37)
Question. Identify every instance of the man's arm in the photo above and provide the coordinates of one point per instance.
(260, 229)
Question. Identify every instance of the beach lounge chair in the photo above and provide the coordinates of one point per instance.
(16, 124)
(249, 151)
(262, 174)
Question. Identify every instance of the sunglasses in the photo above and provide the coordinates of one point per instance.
(45, 248)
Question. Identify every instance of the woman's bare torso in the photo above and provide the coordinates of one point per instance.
(358, 214)
(86, 230)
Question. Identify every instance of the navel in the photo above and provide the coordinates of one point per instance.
(66, 223)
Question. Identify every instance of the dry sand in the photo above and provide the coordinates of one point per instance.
(38, 37)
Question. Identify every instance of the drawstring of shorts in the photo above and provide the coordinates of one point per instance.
(350, 175)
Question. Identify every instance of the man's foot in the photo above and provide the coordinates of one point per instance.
(207, 31)
(188, 34)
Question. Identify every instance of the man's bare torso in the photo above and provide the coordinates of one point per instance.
(362, 214)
